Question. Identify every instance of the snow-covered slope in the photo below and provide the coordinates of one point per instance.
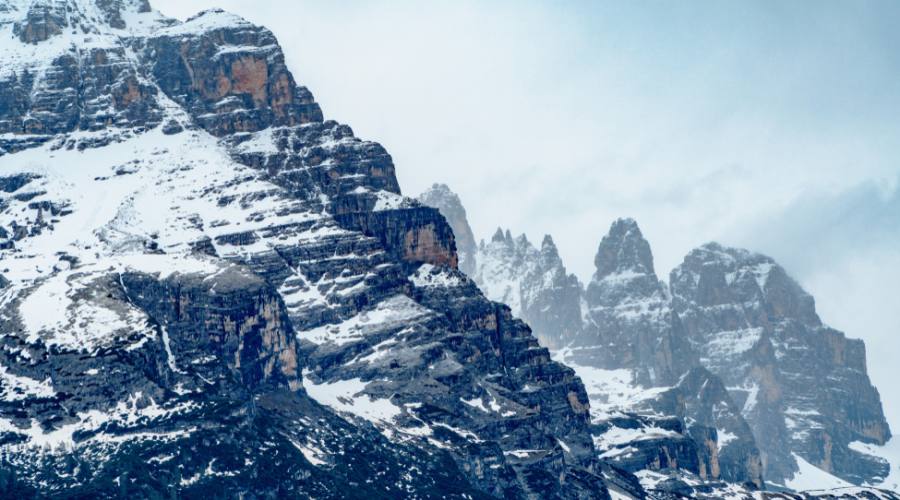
(202, 274)
(533, 282)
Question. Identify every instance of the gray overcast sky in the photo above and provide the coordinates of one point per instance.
(770, 125)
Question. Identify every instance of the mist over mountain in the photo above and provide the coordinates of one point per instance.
(209, 288)
(797, 391)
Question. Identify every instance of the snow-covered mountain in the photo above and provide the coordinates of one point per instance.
(726, 373)
(533, 282)
(208, 289)
(628, 319)
(802, 385)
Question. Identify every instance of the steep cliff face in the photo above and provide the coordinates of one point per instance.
(727, 374)
(551, 297)
(123, 379)
(205, 275)
(668, 413)
(228, 74)
(448, 203)
(71, 73)
(629, 323)
(803, 386)
(234, 323)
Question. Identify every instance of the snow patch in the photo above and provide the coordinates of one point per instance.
(348, 396)
(16, 387)
(428, 276)
(810, 477)
(390, 313)
(724, 437)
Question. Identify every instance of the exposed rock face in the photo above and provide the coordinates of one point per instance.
(764, 403)
(45, 18)
(414, 234)
(235, 319)
(447, 202)
(113, 10)
(551, 297)
(534, 283)
(802, 385)
(197, 380)
(527, 422)
(71, 73)
(629, 323)
(234, 290)
(201, 273)
(687, 439)
(229, 74)
(668, 414)
(728, 449)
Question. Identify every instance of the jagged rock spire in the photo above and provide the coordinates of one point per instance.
(548, 243)
(623, 249)
(624, 268)
(630, 326)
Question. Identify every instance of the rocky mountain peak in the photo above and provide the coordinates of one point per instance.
(441, 191)
(498, 236)
(549, 252)
(623, 251)
(202, 273)
(547, 242)
(715, 274)
(624, 268)
(628, 321)
(757, 329)
(533, 282)
(38, 21)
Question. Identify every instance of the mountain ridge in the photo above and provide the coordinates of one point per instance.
(626, 296)
(208, 288)
(240, 290)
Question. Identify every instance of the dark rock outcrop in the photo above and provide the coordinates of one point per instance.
(629, 322)
(417, 235)
(207, 394)
(45, 19)
(728, 448)
(235, 320)
(228, 74)
(447, 202)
